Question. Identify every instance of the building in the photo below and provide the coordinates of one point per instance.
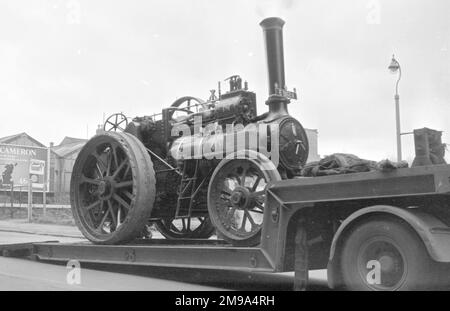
(17, 154)
(62, 161)
(313, 136)
(22, 139)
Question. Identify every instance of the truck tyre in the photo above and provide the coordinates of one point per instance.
(385, 255)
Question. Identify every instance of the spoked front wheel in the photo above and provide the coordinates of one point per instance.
(236, 198)
(112, 188)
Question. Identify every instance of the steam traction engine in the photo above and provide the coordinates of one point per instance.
(154, 169)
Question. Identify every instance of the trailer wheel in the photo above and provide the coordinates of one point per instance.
(385, 255)
(112, 188)
(185, 228)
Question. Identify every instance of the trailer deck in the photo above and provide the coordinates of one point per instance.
(415, 181)
(204, 254)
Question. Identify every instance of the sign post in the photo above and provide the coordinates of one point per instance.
(47, 180)
(12, 195)
(30, 200)
(37, 174)
(44, 199)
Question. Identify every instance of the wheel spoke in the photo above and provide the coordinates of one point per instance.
(100, 164)
(93, 205)
(259, 193)
(128, 195)
(243, 176)
(87, 180)
(127, 171)
(121, 166)
(121, 201)
(109, 166)
(244, 222)
(124, 184)
(253, 210)
(99, 171)
(189, 225)
(255, 186)
(113, 215)
(235, 178)
(250, 218)
(102, 222)
(116, 159)
(259, 205)
(119, 216)
(230, 213)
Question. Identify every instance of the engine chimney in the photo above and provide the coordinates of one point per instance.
(273, 33)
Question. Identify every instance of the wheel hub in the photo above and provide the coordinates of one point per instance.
(105, 189)
(240, 198)
(392, 265)
(387, 263)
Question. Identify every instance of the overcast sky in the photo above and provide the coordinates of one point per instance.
(64, 64)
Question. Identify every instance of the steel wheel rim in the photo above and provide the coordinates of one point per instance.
(394, 268)
(105, 188)
(238, 192)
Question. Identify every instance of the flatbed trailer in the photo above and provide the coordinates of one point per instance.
(314, 223)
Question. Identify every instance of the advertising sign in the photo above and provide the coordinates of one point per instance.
(19, 164)
(37, 167)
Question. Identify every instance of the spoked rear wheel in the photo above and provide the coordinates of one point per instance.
(186, 228)
(236, 199)
(112, 188)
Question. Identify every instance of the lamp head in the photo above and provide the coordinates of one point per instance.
(394, 66)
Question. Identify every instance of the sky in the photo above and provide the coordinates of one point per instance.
(65, 64)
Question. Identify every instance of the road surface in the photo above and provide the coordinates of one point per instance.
(18, 274)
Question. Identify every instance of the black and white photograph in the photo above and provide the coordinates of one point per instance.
(224, 151)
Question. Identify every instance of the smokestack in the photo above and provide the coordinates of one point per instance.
(273, 34)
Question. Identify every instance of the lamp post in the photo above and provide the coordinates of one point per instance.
(394, 67)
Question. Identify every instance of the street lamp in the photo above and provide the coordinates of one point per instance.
(394, 67)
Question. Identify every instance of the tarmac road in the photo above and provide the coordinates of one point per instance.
(19, 274)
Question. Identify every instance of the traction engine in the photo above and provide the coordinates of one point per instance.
(197, 168)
